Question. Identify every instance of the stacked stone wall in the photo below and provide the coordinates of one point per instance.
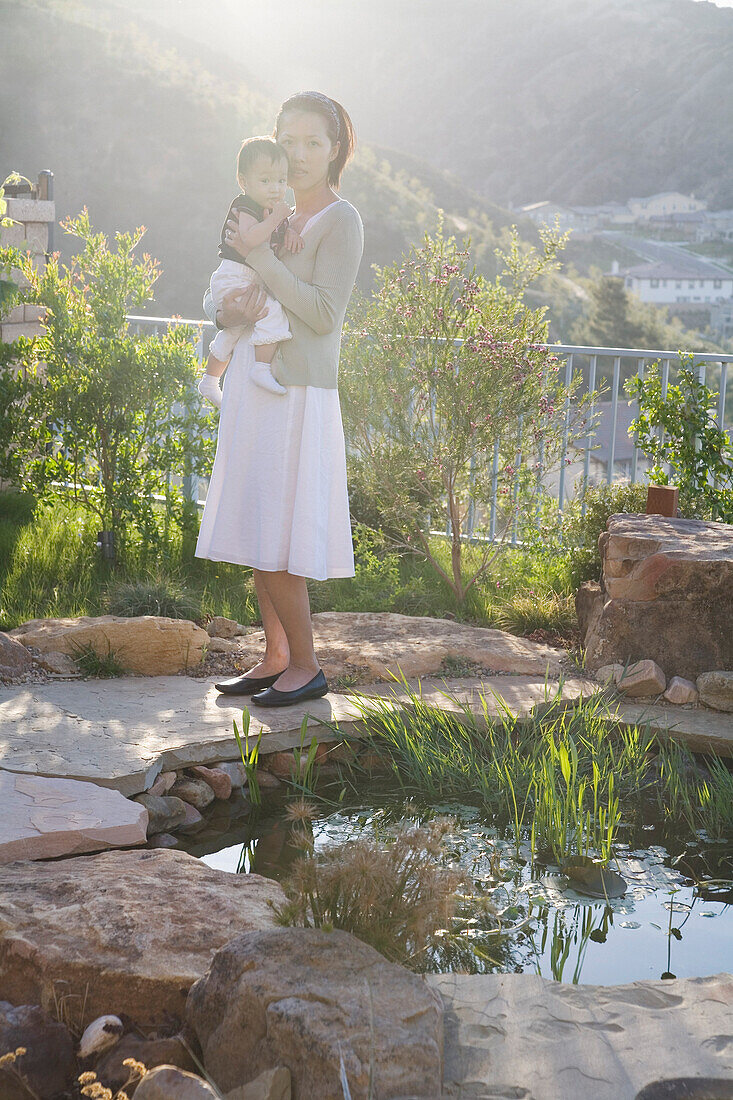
(34, 215)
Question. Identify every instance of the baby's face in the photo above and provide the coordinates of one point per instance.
(267, 181)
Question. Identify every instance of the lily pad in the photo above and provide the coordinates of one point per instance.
(589, 877)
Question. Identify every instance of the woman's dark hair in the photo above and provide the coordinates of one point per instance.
(255, 147)
(338, 127)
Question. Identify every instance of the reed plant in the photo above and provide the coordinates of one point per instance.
(250, 757)
(395, 896)
(559, 782)
(715, 801)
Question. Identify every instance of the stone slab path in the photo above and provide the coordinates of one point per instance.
(123, 732)
(702, 730)
(519, 1035)
(43, 818)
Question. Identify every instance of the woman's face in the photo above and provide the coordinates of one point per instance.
(303, 136)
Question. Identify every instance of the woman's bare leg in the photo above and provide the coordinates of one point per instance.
(277, 652)
(288, 594)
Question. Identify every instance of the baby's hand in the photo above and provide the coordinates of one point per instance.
(292, 241)
(279, 212)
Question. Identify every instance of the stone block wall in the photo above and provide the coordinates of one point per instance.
(666, 594)
(35, 216)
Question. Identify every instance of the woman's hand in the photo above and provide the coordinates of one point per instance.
(242, 307)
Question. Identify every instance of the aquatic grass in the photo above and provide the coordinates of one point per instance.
(250, 758)
(555, 780)
(715, 801)
(394, 895)
(304, 777)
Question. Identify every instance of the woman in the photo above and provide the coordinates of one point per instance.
(277, 498)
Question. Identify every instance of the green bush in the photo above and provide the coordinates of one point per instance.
(680, 430)
(377, 584)
(158, 595)
(522, 614)
(17, 507)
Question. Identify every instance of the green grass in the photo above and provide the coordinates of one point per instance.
(158, 596)
(50, 567)
(98, 664)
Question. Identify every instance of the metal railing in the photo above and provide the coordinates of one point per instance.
(601, 365)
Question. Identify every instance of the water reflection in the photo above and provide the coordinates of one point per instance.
(524, 918)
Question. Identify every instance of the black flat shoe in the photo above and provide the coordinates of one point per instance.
(246, 685)
(272, 697)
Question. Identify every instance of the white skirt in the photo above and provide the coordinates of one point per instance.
(278, 497)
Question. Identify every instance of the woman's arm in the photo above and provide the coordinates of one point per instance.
(337, 261)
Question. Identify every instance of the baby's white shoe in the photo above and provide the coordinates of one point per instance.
(264, 377)
(209, 388)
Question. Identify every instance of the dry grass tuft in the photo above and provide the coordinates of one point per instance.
(394, 896)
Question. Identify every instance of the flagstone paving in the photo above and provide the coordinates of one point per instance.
(122, 732)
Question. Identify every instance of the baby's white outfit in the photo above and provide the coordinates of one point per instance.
(270, 329)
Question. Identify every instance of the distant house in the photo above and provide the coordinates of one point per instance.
(685, 214)
(690, 280)
(664, 203)
(581, 219)
(717, 225)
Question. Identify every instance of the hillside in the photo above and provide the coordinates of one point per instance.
(579, 101)
(135, 127)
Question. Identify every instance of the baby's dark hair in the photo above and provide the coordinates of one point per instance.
(255, 147)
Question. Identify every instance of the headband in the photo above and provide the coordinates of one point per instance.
(329, 103)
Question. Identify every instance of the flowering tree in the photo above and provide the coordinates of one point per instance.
(449, 391)
(98, 415)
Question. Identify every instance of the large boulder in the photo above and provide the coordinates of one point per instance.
(15, 659)
(130, 930)
(112, 1073)
(169, 1083)
(305, 999)
(373, 644)
(44, 817)
(668, 595)
(152, 645)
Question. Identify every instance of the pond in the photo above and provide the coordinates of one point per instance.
(675, 918)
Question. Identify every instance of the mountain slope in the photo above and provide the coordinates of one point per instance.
(145, 132)
(579, 101)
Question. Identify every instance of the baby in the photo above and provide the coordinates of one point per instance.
(262, 174)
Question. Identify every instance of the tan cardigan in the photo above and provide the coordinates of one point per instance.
(314, 287)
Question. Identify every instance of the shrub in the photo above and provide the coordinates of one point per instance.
(448, 390)
(157, 596)
(101, 408)
(394, 896)
(537, 611)
(680, 430)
